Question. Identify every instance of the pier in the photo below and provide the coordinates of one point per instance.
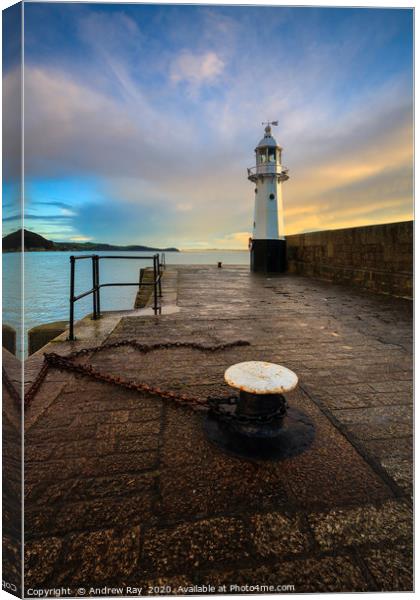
(124, 488)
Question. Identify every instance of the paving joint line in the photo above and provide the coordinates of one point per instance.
(367, 457)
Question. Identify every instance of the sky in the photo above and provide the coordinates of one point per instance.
(141, 120)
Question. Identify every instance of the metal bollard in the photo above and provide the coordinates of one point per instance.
(258, 424)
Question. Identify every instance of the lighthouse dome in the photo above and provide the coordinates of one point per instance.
(267, 140)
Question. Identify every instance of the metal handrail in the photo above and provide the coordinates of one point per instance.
(158, 266)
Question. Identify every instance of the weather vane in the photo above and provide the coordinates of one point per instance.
(268, 123)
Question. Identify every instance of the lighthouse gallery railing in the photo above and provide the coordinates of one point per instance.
(158, 266)
(268, 168)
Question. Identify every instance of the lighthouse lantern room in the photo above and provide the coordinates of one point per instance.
(268, 243)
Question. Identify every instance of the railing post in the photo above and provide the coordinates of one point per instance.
(159, 275)
(94, 287)
(155, 291)
(71, 325)
(98, 289)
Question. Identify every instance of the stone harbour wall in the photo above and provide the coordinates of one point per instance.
(378, 258)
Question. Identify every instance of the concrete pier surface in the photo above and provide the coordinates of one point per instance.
(124, 489)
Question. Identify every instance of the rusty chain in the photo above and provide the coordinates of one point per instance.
(225, 410)
(66, 363)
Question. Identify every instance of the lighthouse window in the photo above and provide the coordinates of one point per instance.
(272, 155)
(256, 190)
(271, 196)
(262, 156)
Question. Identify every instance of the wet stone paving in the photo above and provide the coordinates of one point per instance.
(124, 489)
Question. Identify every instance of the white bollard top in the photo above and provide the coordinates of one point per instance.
(258, 377)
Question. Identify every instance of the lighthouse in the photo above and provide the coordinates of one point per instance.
(268, 243)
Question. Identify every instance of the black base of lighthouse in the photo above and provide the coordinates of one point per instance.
(268, 256)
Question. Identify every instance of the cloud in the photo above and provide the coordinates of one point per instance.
(12, 129)
(54, 203)
(62, 217)
(32, 217)
(172, 169)
(72, 129)
(196, 69)
(237, 240)
(110, 34)
(80, 238)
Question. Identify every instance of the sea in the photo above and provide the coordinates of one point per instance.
(47, 282)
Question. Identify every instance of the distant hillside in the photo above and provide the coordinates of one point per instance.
(35, 242)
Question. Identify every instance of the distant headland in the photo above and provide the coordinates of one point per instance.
(36, 243)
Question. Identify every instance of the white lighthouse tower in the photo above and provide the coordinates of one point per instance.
(268, 243)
